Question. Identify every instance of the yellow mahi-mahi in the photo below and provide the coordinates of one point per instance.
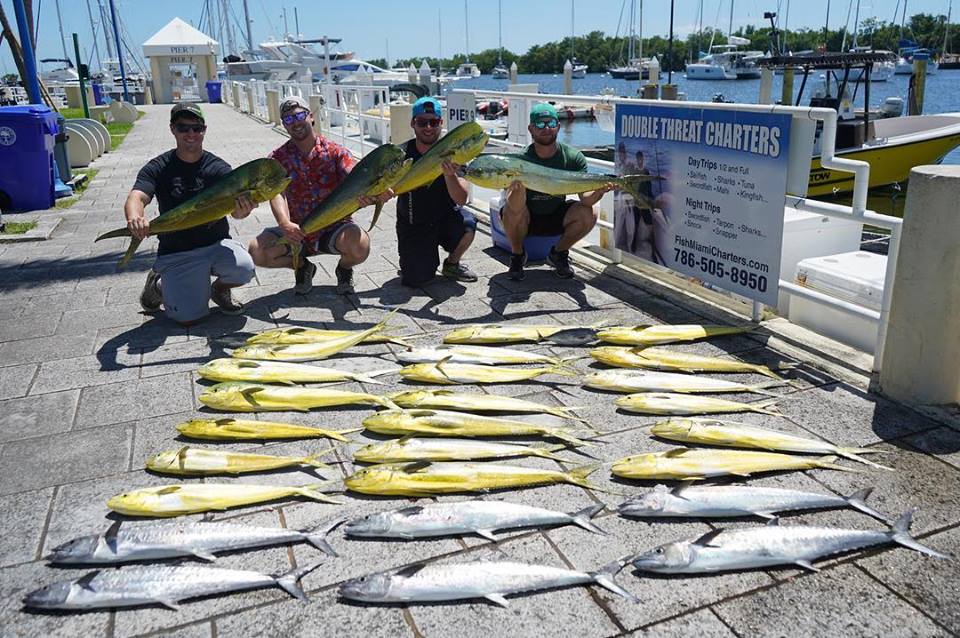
(623, 380)
(191, 461)
(685, 404)
(177, 500)
(655, 358)
(687, 465)
(446, 373)
(476, 402)
(647, 335)
(238, 396)
(279, 372)
(245, 430)
(416, 449)
(296, 334)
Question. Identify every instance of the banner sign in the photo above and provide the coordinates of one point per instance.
(713, 207)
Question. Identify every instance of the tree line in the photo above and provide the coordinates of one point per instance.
(600, 51)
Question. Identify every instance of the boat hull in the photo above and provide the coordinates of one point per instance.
(709, 72)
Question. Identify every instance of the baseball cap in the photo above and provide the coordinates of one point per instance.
(293, 102)
(427, 105)
(190, 108)
(542, 110)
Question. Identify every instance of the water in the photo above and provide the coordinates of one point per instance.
(941, 96)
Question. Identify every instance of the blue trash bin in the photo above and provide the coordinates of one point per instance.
(27, 138)
(213, 92)
(97, 94)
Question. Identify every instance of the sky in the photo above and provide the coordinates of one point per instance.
(385, 28)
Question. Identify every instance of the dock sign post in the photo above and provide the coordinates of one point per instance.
(461, 108)
(714, 208)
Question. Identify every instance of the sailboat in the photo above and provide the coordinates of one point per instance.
(638, 67)
(726, 61)
(500, 72)
(948, 60)
(468, 69)
(579, 68)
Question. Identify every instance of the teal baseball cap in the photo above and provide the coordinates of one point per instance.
(541, 111)
(427, 105)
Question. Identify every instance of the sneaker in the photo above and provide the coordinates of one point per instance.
(222, 297)
(517, 262)
(304, 277)
(151, 297)
(458, 271)
(344, 280)
(560, 259)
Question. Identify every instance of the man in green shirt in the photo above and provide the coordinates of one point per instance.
(532, 213)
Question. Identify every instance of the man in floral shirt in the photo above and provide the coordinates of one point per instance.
(317, 167)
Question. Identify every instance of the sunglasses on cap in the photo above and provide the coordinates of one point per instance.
(299, 116)
(432, 122)
(190, 128)
(551, 123)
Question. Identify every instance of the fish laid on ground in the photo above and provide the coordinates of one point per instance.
(723, 501)
(260, 180)
(621, 380)
(499, 171)
(280, 336)
(308, 351)
(191, 461)
(761, 547)
(422, 478)
(246, 429)
(165, 585)
(372, 176)
(687, 465)
(684, 404)
(660, 334)
(519, 333)
(157, 541)
(281, 372)
(413, 449)
(448, 423)
(465, 517)
(446, 373)
(733, 434)
(177, 500)
(484, 355)
(664, 359)
(237, 396)
(475, 402)
(429, 582)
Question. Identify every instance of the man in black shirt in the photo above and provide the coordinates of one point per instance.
(433, 216)
(186, 259)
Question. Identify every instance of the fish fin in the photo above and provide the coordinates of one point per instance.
(337, 435)
(439, 366)
(127, 256)
(900, 534)
(704, 541)
(316, 536)
(605, 577)
(289, 582)
(412, 570)
(828, 463)
(247, 364)
(110, 536)
(413, 510)
(202, 554)
(182, 457)
(170, 489)
(743, 474)
(313, 492)
(582, 519)
(677, 451)
(498, 599)
(169, 604)
(225, 421)
(853, 453)
(376, 215)
(486, 533)
(773, 521)
(769, 516)
(249, 392)
(86, 580)
(806, 565)
(858, 501)
(416, 466)
(678, 490)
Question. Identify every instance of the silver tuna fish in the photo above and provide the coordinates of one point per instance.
(465, 517)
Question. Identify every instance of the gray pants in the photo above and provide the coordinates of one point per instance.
(185, 276)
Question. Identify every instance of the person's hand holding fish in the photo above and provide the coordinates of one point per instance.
(450, 169)
(292, 232)
(243, 206)
(589, 199)
(139, 227)
(382, 198)
(517, 194)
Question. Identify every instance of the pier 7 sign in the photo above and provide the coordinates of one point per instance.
(714, 206)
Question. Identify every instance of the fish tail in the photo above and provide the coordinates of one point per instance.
(563, 369)
(383, 401)
(566, 413)
(762, 407)
(858, 501)
(631, 184)
(605, 577)
(767, 372)
(313, 492)
(338, 434)
(761, 388)
(900, 534)
(312, 459)
(829, 463)
(566, 361)
(317, 535)
(368, 377)
(582, 519)
(376, 215)
(569, 438)
(119, 232)
(290, 582)
(578, 476)
(127, 256)
(853, 453)
(547, 451)
(400, 341)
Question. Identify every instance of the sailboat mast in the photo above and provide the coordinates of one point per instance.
(730, 27)
(640, 36)
(466, 25)
(439, 43)
(63, 41)
(500, 32)
(946, 29)
(572, 56)
(93, 31)
(856, 23)
(246, 18)
(633, 31)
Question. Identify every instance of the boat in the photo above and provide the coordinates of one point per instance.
(636, 67)
(726, 62)
(500, 72)
(467, 69)
(879, 72)
(892, 146)
(904, 64)
(948, 60)
(579, 69)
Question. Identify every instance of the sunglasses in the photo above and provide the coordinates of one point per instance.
(431, 123)
(551, 123)
(299, 116)
(190, 128)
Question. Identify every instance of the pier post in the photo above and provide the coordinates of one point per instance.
(251, 100)
(922, 345)
(786, 95)
(513, 73)
(273, 106)
(425, 75)
(668, 92)
(319, 113)
(766, 86)
(412, 74)
(918, 82)
(567, 78)
(236, 95)
(650, 91)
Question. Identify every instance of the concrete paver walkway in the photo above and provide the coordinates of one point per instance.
(90, 388)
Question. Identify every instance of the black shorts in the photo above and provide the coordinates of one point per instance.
(547, 225)
(418, 244)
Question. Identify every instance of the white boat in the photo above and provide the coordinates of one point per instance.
(579, 69)
(637, 67)
(500, 72)
(904, 64)
(468, 70)
(726, 62)
(880, 72)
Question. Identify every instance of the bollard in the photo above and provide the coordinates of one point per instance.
(650, 92)
(567, 78)
(273, 106)
(411, 74)
(400, 117)
(918, 81)
(922, 344)
(653, 70)
(236, 95)
(513, 73)
(424, 76)
(786, 94)
(766, 86)
(668, 92)
(251, 100)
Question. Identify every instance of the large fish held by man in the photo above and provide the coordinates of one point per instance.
(260, 180)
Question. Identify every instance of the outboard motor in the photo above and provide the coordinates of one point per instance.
(892, 107)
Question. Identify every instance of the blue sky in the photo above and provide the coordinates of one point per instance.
(370, 27)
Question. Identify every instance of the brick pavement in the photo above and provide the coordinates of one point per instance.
(90, 387)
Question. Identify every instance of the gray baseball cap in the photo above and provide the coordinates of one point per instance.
(293, 102)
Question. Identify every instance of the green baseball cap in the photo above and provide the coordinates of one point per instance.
(188, 108)
(541, 111)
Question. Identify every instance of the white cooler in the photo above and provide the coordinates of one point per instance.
(856, 277)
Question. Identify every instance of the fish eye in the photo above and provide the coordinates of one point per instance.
(659, 550)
